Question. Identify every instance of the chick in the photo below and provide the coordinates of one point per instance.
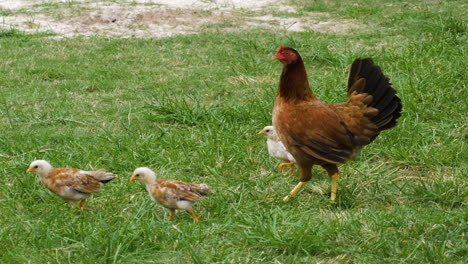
(171, 194)
(72, 185)
(277, 149)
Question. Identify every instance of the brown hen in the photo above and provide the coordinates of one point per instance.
(317, 133)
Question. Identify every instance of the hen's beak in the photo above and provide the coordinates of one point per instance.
(262, 132)
(275, 58)
(29, 170)
(132, 178)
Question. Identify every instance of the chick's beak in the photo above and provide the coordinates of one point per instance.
(29, 170)
(132, 178)
(262, 132)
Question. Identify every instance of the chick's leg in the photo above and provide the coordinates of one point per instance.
(72, 203)
(282, 165)
(82, 206)
(291, 170)
(171, 214)
(192, 213)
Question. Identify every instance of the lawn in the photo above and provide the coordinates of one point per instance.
(190, 107)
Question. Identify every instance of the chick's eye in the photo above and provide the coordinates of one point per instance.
(36, 167)
(138, 175)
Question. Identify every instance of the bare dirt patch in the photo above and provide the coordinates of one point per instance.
(160, 18)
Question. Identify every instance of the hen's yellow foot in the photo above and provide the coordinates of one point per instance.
(295, 191)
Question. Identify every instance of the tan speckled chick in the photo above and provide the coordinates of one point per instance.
(171, 194)
(72, 185)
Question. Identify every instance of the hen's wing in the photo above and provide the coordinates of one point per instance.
(357, 117)
(317, 130)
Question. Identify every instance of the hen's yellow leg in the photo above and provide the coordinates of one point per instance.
(192, 213)
(334, 186)
(295, 190)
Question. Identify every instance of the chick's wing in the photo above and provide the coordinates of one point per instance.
(181, 190)
(81, 181)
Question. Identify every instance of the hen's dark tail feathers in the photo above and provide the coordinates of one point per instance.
(366, 77)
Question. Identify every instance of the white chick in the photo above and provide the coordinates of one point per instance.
(277, 149)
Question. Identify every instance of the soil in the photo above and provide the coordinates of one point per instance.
(160, 18)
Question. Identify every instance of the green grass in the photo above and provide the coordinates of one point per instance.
(193, 114)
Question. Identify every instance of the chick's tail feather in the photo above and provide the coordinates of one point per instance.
(103, 176)
(366, 77)
(204, 189)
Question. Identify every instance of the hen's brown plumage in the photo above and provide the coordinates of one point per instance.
(317, 133)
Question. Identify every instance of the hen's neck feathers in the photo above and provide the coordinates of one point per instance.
(294, 83)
